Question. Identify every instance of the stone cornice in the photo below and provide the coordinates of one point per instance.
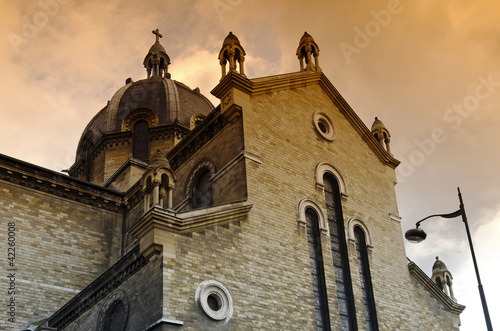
(123, 269)
(232, 79)
(430, 286)
(268, 84)
(131, 161)
(194, 220)
(34, 177)
(196, 139)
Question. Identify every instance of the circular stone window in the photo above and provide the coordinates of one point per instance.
(324, 125)
(114, 313)
(214, 299)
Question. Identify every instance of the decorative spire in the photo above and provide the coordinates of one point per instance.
(156, 61)
(442, 277)
(306, 51)
(381, 134)
(232, 52)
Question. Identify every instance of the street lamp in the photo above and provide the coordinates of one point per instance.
(417, 235)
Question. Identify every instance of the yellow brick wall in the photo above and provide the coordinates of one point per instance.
(264, 260)
(61, 246)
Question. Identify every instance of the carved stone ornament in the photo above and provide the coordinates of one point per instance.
(114, 313)
(214, 299)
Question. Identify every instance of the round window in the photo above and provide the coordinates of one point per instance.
(324, 125)
(214, 299)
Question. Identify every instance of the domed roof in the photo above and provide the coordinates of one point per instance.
(231, 39)
(156, 48)
(305, 38)
(439, 266)
(378, 125)
(165, 100)
(159, 160)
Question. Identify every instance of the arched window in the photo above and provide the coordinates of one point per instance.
(140, 138)
(345, 297)
(202, 190)
(366, 281)
(317, 271)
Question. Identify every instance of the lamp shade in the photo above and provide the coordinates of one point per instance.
(415, 235)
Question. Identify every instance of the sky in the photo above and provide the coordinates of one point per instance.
(430, 70)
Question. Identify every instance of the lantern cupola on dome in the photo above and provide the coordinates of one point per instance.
(156, 61)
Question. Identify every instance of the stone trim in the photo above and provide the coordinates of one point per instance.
(301, 79)
(301, 211)
(395, 217)
(163, 321)
(234, 162)
(193, 174)
(354, 221)
(195, 140)
(434, 290)
(33, 177)
(130, 161)
(324, 167)
(191, 221)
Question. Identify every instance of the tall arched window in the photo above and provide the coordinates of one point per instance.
(345, 297)
(317, 271)
(366, 281)
(140, 136)
(202, 190)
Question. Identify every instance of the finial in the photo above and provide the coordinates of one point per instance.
(158, 35)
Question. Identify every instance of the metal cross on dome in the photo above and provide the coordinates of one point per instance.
(158, 34)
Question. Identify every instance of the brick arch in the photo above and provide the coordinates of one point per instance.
(203, 164)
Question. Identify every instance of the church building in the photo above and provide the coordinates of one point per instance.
(273, 210)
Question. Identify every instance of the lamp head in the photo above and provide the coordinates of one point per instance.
(415, 235)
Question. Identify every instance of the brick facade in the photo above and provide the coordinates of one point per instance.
(267, 156)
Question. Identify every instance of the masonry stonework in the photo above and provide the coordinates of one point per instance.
(122, 243)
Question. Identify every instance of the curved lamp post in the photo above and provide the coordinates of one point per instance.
(417, 235)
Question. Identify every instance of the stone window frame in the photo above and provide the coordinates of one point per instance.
(354, 221)
(216, 290)
(323, 168)
(205, 164)
(324, 125)
(112, 300)
(302, 206)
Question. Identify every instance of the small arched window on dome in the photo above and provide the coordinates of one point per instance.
(140, 136)
(202, 189)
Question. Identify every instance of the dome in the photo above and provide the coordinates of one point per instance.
(159, 160)
(439, 266)
(157, 48)
(141, 117)
(306, 37)
(163, 100)
(378, 125)
(231, 39)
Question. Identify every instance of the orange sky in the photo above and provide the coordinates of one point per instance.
(430, 70)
